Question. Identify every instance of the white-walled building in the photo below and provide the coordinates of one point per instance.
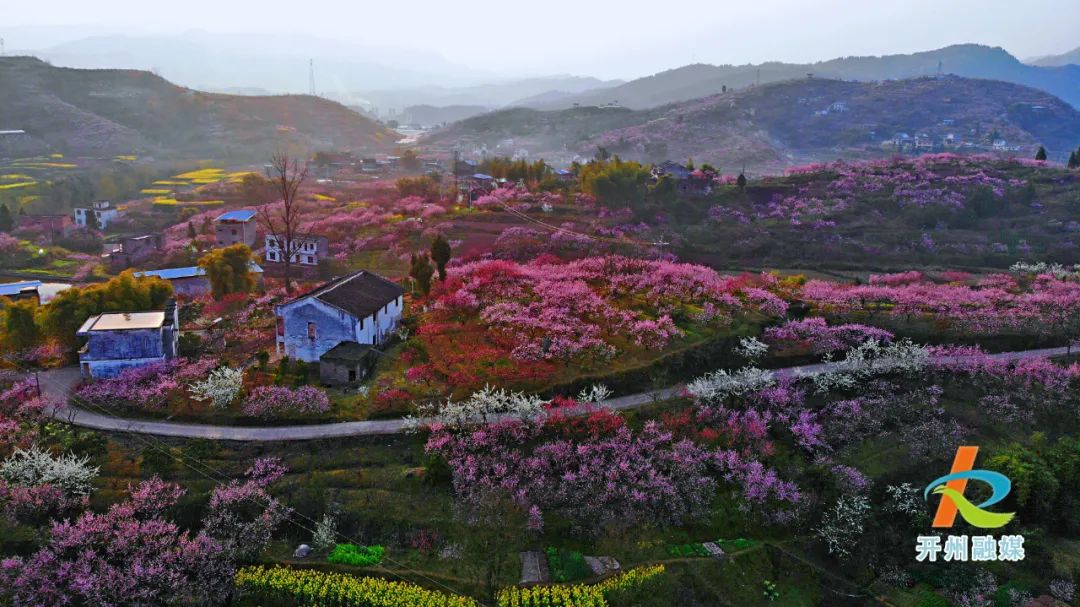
(361, 308)
(99, 215)
(307, 250)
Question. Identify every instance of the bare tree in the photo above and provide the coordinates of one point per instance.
(287, 175)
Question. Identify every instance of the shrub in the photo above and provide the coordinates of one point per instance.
(359, 556)
(687, 550)
(566, 565)
(309, 587)
(618, 590)
(270, 401)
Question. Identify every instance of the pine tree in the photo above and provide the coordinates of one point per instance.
(1073, 162)
(440, 254)
(6, 220)
(421, 272)
(1041, 154)
(191, 233)
(741, 182)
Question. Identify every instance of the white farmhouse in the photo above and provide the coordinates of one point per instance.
(99, 215)
(306, 250)
(361, 308)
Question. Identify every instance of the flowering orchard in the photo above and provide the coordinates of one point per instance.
(132, 553)
(526, 325)
(939, 208)
(1015, 303)
(778, 448)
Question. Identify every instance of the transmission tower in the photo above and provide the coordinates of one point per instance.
(311, 76)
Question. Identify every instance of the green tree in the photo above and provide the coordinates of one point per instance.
(18, 323)
(1074, 161)
(741, 182)
(1035, 487)
(665, 191)
(440, 254)
(191, 233)
(63, 316)
(1041, 154)
(229, 270)
(421, 272)
(7, 222)
(410, 161)
(616, 183)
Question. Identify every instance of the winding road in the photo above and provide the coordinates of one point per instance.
(59, 383)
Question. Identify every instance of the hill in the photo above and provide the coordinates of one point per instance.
(427, 115)
(1070, 58)
(938, 210)
(770, 127)
(700, 80)
(544, 133)
(113, 112)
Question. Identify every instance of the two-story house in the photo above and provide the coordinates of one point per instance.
(134, 250)
(347, 315)
(98, 216)
(235, 227)
(306, 250)
(116, 341)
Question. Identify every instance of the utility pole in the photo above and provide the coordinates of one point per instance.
(311, 77)
(2, 53)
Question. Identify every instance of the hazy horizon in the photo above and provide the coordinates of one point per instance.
(489, 41)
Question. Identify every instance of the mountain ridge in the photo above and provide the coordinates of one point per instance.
(102, 112)
(699, 80)
(774, 126)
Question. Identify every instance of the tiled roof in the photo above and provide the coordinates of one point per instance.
(360, 294)
(347, 350)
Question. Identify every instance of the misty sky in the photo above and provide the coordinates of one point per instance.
(622, 39)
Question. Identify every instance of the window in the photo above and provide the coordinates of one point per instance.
(352, 374)
(280, 326)
(234, 232)
(310, 259)
(311, 333)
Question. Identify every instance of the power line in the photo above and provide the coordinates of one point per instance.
(164, 448)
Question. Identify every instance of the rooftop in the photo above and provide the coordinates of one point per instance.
(188, 272)
(14, 288)
(347, 350)
(236, 216)
(121, 321)
(360, 294)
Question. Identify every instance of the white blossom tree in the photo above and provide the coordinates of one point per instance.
(487, 404)
(221, 387)
(843, 524)
(35, 467)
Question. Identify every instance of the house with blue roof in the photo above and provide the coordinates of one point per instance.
(192, 280)
(236, 227)
(27, 289)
